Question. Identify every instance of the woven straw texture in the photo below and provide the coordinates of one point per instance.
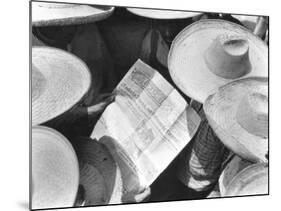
(100, 175)
(186, 61)
(53, 14)
(252, 180)
(55, 171)
(238, 113)
(236, 165)
(59, 81)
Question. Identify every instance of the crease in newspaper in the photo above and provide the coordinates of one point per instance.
(146, 127)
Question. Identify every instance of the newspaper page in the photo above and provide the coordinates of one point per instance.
(146, 127)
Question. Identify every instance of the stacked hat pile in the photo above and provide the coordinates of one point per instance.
(61, 170)
(225, 67)
(59, 81)
(215, 62)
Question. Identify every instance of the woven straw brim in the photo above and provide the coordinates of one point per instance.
(99, 173)
(252, 180)
(186, 57)
(236, 165)
(64, 80)
(68, 15)
(221, 109)
(162, 14)
(55, 171)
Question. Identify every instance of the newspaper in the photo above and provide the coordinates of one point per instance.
(146, 127)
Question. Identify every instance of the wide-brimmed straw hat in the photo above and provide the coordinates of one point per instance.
(100, 175)
(162, 14)
(211, 53)
(238, 114)
(54, 14)
(55, 171)
(244, 178)
(59, 81)
(233, 167)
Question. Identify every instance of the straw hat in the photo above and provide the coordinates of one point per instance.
(59, 81)
(249, 21)
(211, 53)
(53, 14)
(162, 14)
(235, 166)
(55, 171)
(238, 114)
(243, 178)
(100, 176)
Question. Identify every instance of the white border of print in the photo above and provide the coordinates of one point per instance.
(15, 104)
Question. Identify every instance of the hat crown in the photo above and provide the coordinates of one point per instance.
(38, 83)
(228, 56)
(252, 114)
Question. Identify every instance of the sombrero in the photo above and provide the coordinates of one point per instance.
(243, 178)
(210, 53)
(236, 165)
(249, 21)
(59, 81)
(238, 114)
(100, 175)
(162, 14)
(54, 14)
(55, 171)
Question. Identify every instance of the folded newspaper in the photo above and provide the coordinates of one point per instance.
(146, 127)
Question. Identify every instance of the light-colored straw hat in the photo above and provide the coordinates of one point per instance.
(232, 168)
(59, 81)
(242, 178)
(162, 14)
(211, 53)
(238, 114)
(54, 14)
(55, 171)
(100, 175)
